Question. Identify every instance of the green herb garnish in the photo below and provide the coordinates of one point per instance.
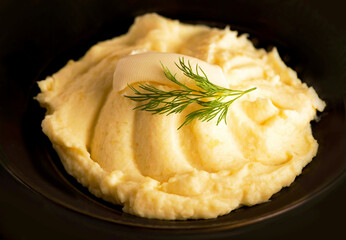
(211, 97)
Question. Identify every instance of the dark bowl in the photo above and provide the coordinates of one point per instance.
(40, 200)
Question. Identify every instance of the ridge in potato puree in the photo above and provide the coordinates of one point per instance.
(142, 161)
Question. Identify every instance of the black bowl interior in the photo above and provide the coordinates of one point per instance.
(52, 33)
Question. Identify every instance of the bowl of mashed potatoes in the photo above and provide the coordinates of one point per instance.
(129, 167)
(145, 162)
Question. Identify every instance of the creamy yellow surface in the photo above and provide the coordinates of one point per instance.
(142, 161)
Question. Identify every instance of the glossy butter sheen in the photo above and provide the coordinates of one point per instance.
(142, 161)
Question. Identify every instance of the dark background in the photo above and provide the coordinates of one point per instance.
(32, 35)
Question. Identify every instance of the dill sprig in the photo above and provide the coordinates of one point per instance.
(213, 99)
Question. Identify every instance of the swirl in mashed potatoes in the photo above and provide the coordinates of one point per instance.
(142, 161)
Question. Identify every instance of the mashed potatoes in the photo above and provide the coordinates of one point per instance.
(142, 161)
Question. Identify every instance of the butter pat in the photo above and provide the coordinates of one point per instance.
(146, 67)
